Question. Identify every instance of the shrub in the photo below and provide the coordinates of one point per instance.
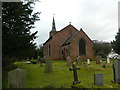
(33, 61)
(105, 66)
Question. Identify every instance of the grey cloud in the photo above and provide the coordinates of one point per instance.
(98, 18)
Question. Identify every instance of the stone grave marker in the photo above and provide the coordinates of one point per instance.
(116, 71)
(74, 69)
(98, 79)
(100, 61)
(17, 78)
(108, 60)
(48, 66)
(97, 60)
(69, 61)
(79, 60)
(88, 61)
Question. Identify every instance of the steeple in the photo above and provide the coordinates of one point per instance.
(53, 25)
(53, 31)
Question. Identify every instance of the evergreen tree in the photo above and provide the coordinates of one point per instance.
(116, 42)
(17, 20)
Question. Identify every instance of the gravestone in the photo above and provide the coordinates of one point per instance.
(74, 69)
(97, 60)
(116, 71)
(48, 66)
(69, 61)
(17, 78)
(98, 79)
(100, 61)
(79, 60)
(88, 61)
(108, 60)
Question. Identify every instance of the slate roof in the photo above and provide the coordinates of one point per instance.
(48, 40)
(68, 40)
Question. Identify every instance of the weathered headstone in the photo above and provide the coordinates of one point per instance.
(116, 70)
(74, 69)
(88, 61)
(17, 78)
(69, 61)
(48, 66)
(100, 61)
(79, 60)
(108, 60)
(97, 60)
(98, 79)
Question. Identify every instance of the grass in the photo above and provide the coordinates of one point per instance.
(62, 77)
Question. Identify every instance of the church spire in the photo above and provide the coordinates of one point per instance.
(53, 31)
(53, 25)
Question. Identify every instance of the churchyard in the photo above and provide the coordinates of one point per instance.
(60, 75)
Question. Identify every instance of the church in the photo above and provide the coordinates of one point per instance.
(67, 42)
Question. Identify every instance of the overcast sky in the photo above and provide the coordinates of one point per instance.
(98, 18)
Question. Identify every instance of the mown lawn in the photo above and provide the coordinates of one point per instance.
(62, 77)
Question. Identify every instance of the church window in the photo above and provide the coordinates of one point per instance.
(82, 47)
(62, 52)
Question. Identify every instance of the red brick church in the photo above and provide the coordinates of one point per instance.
(67, 42)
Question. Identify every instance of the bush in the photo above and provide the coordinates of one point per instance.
(33, 61)
(105, 66)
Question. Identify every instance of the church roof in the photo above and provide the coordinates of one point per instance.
(59, 31)
(67, 41)
(47, 40)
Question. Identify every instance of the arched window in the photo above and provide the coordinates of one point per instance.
(82, 47)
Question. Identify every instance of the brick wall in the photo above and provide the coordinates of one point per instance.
(57, 40)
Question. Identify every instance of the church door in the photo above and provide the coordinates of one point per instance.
(82, 47)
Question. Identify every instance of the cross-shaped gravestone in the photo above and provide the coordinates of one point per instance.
(74, 69)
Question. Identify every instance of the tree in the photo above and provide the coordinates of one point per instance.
(39, 51)
(17, 20)
(116, 42)
(102, 49)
